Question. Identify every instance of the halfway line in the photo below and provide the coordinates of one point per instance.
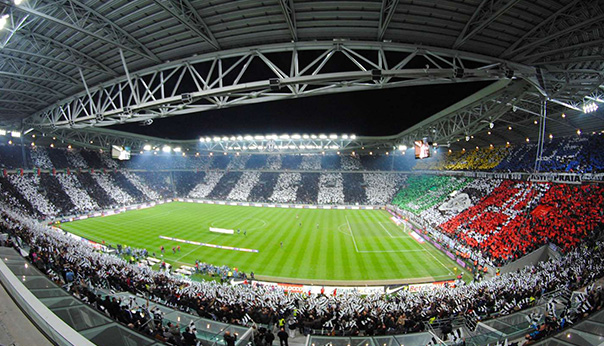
(352, 234)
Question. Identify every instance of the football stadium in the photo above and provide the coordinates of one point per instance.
(313, 173)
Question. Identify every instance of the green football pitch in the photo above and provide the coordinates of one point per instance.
(334, 245)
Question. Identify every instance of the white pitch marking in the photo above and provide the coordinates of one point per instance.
(441, 263)
(352, 234)
(386, 230)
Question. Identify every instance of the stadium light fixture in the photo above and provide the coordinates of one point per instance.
(353, 136)
(2, 132)
(52, 145)
(225, 138)
(313, 136)
(467, 138)
(233, 138)
(10, 142)
(33, 144)
(259, 138)
(491, 125)
(3, 21)
(15, 134)
(510, 128)
(551, 136)
(402, 147)
(147, 147)
(563, 115)
(166, 149)
(579, 132)
(296, 136)
(18, 2)
(590, 107)
(333, 136)
(177, 149)
(527, 139)
(322, 136)
(305, 136)
(344, 136)
(239, 138)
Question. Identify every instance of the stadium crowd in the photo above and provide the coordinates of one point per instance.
(81, 270)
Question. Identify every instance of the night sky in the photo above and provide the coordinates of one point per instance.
(369, 113)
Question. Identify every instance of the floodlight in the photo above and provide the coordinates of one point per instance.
(3, 21)
(284, 136)
(166, 149)
(295, 136)
(224, 139)
(579, 132)
(16, 134)
(259, 137)
(467, 138)
(322, 136)
(248, 137)
(202, 140)
(313, 136)
(177, 150)
(590, 107)
(18, 2)
(2, 132)
(216, 139)
(239, 138)
(233, 138)
(147, 147)
(333, 136)
(353, 136)
(305, 136)
(344, 136)
(402, 147)
(208, 139)
(491, 125)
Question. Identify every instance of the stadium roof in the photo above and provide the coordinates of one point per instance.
(73, 67)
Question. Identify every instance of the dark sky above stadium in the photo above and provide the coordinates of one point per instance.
(369, 113)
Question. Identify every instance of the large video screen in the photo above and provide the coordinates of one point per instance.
(120, 153)
(422, 148)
